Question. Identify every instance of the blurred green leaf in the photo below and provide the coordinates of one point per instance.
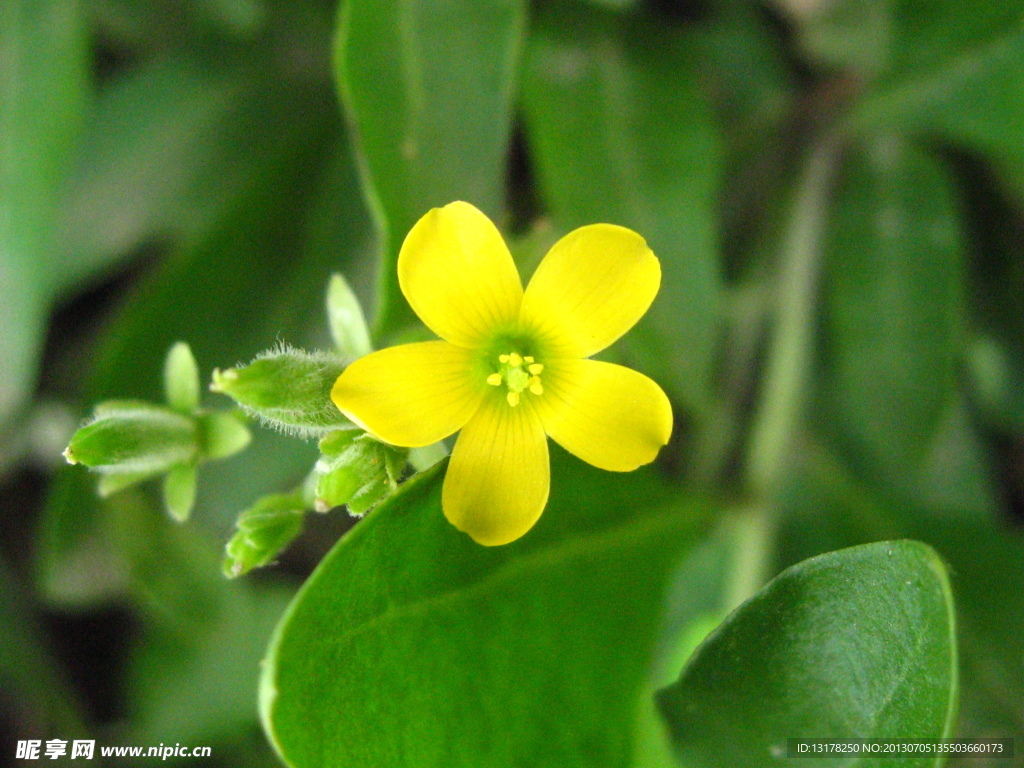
(32, 687)
(170, 146)
(197, 680)
(855, 643)
(620, 132)
(851, 35)
(696, 602)
(149, 26)
(957, 72)
(531, 653)
(893, 303)
(429, 86)
(44, 66)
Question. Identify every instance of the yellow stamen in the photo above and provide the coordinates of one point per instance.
(516, 378)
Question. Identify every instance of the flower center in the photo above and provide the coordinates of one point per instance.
(518, 374)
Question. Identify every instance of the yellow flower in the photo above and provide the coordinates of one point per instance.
(512, 369)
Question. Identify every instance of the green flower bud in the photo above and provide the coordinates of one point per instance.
(129, 437)
(346, 319)
(288, 389)
(222, 434)
(180, 491)
(264, 529)
(356, 470)
(181, 379)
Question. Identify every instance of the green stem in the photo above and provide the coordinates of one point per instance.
(789, 357)
(752, 532)
(793, 330)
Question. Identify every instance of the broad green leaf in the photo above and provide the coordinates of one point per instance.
(620, 132)
(827, 506)
(44, 61)
(893, 305)
(429, 87)
(411, 644)
(856, 643)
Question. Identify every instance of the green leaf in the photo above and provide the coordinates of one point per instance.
(620, 132)
(171, 146)
(828, 506)
(346, 319)
(958, 71)
(181, 379)
(287, 389)
(43, 96)
(429, 86)
(857, 644)
(893, 305)
(529, 654)
(135, 438)
(264, 530)
(201, 687)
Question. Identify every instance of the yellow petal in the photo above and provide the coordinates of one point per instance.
(499, 475)
(608, 415)
(411, 395)
(592, 287)
(458, 275)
